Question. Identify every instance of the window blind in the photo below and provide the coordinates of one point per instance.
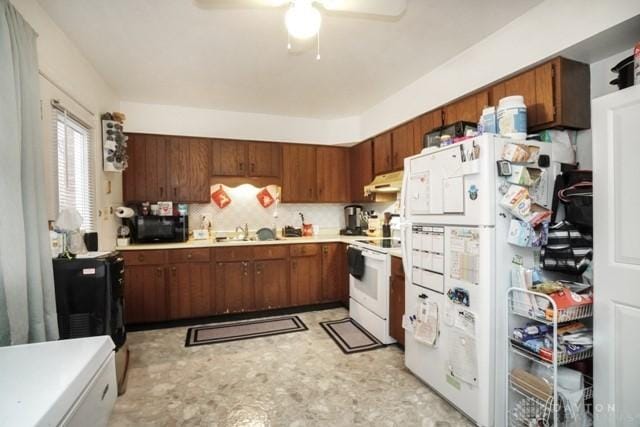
(74, 160)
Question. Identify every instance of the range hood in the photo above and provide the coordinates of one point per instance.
(387, 184)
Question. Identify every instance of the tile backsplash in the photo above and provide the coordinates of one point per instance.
(245, 208)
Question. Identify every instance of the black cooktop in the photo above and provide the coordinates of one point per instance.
(382, 243)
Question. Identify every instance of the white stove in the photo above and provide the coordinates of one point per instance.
(369, 294)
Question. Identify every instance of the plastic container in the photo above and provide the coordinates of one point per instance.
(512, 117)
(488, 120)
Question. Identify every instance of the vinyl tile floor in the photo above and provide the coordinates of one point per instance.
(296, 379)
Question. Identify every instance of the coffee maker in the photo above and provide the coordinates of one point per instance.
(353, 221)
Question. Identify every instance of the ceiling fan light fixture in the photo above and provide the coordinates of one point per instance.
(302, 19)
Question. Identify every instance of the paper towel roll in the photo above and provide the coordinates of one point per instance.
(124, 212)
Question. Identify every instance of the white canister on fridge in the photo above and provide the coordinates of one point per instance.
(512, 117)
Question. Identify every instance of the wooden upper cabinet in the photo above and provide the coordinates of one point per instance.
(467, 109)
(145, 178)
(425, 124)
(188, 169)
(402, 144)
(199, 170)
(265, 159)
(299, 173)
(178, 169)
(361, 162)
(228, 158)
(332, 174)
(556, 93)
(382, 151)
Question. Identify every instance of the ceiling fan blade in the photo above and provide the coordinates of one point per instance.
(213, 4)
(366, 7)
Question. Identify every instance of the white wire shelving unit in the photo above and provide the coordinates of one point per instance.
(533, 401)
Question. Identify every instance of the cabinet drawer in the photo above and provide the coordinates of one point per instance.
(396, 267)
(188, 255)
(144, 257)
(305, 249)
(270, 252)
(234, 254)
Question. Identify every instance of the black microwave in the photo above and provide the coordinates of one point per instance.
(154, 228)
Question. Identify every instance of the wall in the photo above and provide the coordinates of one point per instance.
(177, 120)
(62, 63)
(244, 208)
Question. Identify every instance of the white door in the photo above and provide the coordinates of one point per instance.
(616, 157)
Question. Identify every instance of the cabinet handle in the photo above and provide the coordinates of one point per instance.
(173, 270)
(140, 257)
(161, 191)
(241, 166)
(219, 264)
(253, 167)
(159, 271)
(175, 191)
(189, 255)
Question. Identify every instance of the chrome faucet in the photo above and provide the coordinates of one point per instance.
(244, 230)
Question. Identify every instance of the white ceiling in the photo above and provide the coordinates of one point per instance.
(173, 52)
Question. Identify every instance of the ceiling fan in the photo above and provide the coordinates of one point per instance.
(303, 17)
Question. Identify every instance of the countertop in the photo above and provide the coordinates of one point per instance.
(322, 238)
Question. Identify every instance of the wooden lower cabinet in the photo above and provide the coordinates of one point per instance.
(396, 300)
(162, 285)
(145, 294)
(306, 279)
(335, 279)
(271, 284)
(191, 290)
(235, 291)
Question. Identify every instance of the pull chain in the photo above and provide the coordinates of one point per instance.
(318, 48)
(288, 41)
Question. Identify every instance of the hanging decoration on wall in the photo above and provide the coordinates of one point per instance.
(114, 142)
(220, 197)
(265, 198)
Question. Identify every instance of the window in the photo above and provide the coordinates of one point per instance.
(75, 168)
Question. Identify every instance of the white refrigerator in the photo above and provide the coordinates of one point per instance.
(458, 264)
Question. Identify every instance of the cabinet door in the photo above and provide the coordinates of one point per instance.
(190, 290)
(545, 111)
(178, 169)
(402, 144)
(467, 109)
(271, 284)
(134, 186)
(265, 159)
(334, 272)
(145, 294)
(396, 308)
(198, 171)
(524, 84)
(333, 174)
(306, 280)
(234, 287)
(299, 173)
(425, 124)
(228, 158)
(382, 153)
(361, 163)
(156, 167)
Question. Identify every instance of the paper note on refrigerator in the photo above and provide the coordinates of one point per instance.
(464, 251)
(463, 359)
(426, 326)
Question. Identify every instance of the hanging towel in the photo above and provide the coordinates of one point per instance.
(356, 263)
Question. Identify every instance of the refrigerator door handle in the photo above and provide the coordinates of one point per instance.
(404, 242)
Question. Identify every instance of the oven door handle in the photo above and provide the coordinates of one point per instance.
(374, 255)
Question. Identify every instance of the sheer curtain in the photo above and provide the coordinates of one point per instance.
(27, 296)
